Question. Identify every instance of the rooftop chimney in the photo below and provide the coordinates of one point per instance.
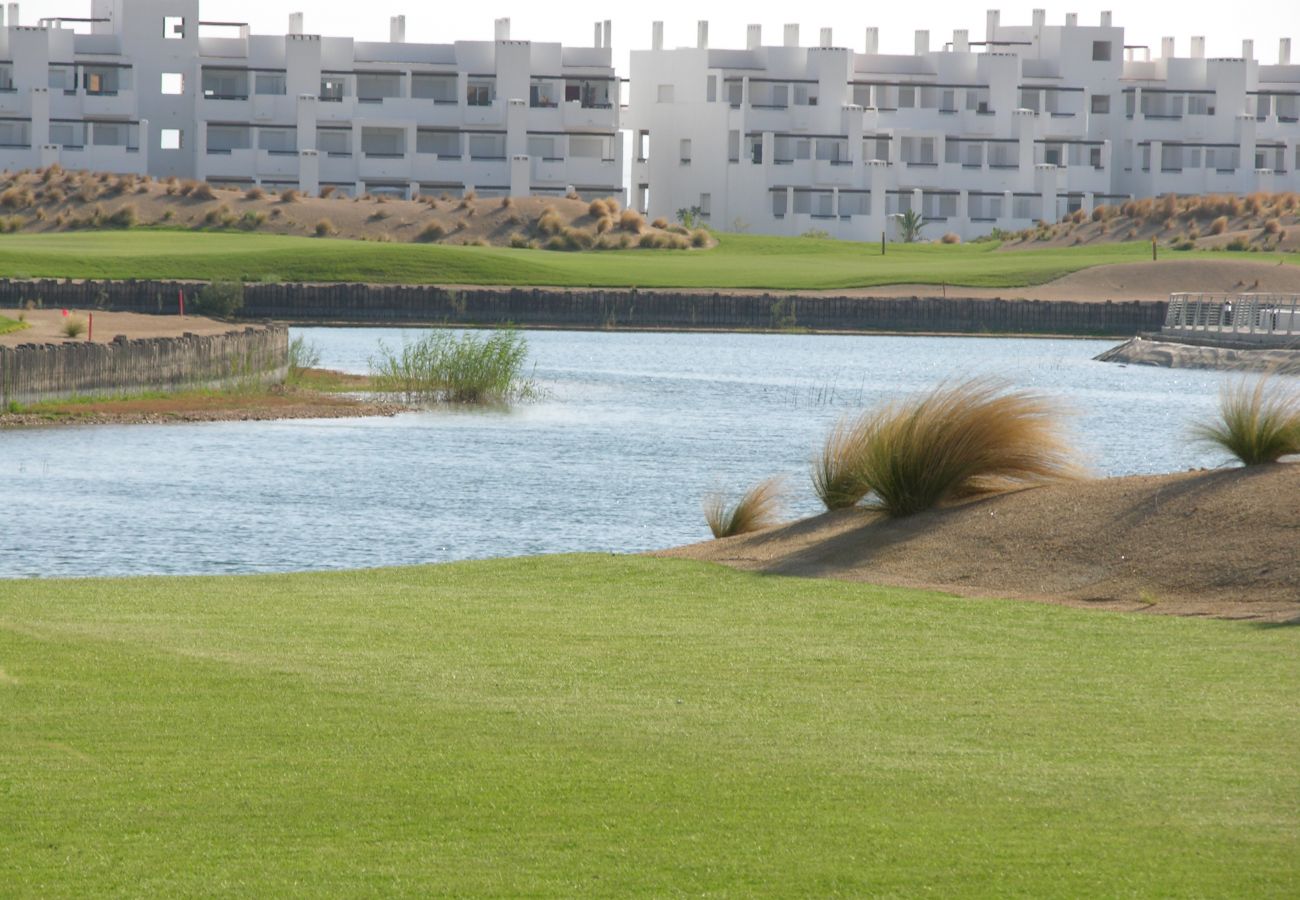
(502, 29)
(1198, 48)
(828, 38)
(792, 35)
(961, 41)
(702, 34)
(13, 14)
(873, 41)
(1167, 47)
(295, 23)
(991, 20)
(754, 37)
(1284, 52)
(922, 42)
(1105, 19)
(1040, 19)
(609, 33)
(657, 36)
(599, 33)
(1247, 49)
(397, 29)
(1071, 20)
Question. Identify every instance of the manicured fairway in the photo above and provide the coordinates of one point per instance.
(609, 726)
(739, 261)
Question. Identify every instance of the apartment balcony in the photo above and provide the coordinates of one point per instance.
(430, 167)
(493, 114)
(226, 109)
(117, 104)
(104, 158)
(394, 166)
(15, 103)
(593, 117)
(277, 163)
(228, 163)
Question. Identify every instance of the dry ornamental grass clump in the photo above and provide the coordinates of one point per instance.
(956, 441)
(1257, 423)
(758, 508)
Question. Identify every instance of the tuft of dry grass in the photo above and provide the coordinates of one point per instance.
(288, 195)
(956, 441)
(1219, 225)
(660, 223)
(431, 232)
(1259, 423)
(327, 192)
(758, 508)
(203, 191)
(550, 221)
(74, 327)
(324, 228)
(632, 221)
(953, 238)
(597, 209)
(254, 193)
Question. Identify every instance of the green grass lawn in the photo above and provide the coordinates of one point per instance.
(8, 325)
(607, 726)
(739, 261)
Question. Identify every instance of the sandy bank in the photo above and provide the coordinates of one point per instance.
(1167, 354)
(47, 326)
(1222, 543)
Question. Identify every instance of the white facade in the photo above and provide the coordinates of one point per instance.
(148, 86)
(1034, 122)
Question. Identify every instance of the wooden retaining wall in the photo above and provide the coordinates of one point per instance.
(30, 373)
(632, 309)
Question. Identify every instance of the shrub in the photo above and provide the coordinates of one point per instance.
(1257, 424)
(254, 193)
(303, 354)
(550, 221)
(951, 238)
(597, 209)
(1099, 212)
(218, 215)
(1219, 225)
(1272, 226)
(444, 367)
(51, 172)
(252, 220)
(74, 326)
(203, 191)
(431, 232)
(572, 195)
(758, 508)
(220, 299)
(10, 224)
(327, 192)
(520, 241)
(579, 238)
(1236, 244)
(631, 220)
(16, 198)
(660, 223)
(955, 441)
(323, 228)
(289, 195)
(123, 217)
(700, 237)
(507, 202)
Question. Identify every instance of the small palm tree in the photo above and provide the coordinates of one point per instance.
(910, 224)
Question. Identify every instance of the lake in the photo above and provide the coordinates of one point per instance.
(634, 431)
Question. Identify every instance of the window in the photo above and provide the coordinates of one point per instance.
(173, 28)
(642, 145)
(438, 88)
(543, 95)
(906, 97)
(171, 139)
(541, 147)
(711, 89)
(706, 205)
(591, 147)
(227, 138)
(1101, 51)
(271, 84)
(686, 151)
(1100, 104)
(665, 93)
(803, 96)
(733, 146)
(481, 92)
(384, 143)
(173, 83)
(487, 146)
(735, 92)
(1094, 157)
(332, 88)
(278, 140)
(1029, 100)
(334, 141)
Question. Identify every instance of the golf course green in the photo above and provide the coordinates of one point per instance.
(605, 726)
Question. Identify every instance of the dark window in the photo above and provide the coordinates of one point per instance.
(1100, 104)
(1101, 51)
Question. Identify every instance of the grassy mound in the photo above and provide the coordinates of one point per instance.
(596, 725)
(10, 325)
(738, 261)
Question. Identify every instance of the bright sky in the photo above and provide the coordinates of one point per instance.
(1224, 24)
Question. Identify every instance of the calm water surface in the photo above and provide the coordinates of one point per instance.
(635, 430)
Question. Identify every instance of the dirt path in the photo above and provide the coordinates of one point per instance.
(1223, 543)
(47, 326)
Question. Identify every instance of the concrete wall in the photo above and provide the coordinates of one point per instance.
(558, 308)
(30, 373)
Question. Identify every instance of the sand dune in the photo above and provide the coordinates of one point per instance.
(1222, 543)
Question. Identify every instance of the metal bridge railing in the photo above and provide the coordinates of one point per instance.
(1258, 315)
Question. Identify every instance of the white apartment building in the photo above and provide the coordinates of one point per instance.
(1029, 124)
(149, 86)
